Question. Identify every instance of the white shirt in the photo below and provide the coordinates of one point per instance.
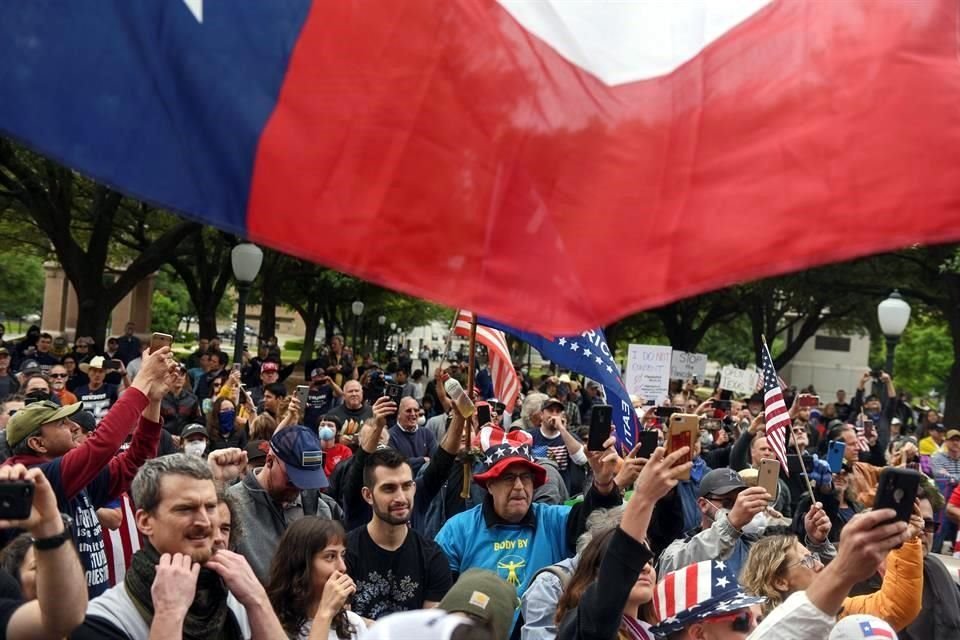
(796, 619)
(359, 628)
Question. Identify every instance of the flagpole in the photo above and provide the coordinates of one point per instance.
(803, 467)
(471, 366)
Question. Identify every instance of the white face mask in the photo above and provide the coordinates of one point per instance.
(757, 526)
(421, 420)
(195, 448)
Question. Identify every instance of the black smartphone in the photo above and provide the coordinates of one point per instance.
(897, 490)
(665, 412)
(483, 414)
(394, 391)
(600, 417)
(16, 500)
(648, 441)
(114, 364)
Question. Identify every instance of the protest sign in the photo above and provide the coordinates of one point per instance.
(739, 381)
(684, 365)
(648, 371)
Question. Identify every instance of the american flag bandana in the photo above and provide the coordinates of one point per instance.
(697, 592)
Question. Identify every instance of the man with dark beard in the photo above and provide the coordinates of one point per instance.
(393, 566)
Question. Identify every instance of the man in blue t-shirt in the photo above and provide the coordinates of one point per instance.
(509, 534)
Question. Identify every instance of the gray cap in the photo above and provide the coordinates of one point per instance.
(192, 430)
(720, 482)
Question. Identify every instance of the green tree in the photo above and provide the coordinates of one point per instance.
(924, 356)
(105, 242)
(23, 280)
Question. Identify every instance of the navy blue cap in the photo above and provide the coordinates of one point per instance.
(299, 449)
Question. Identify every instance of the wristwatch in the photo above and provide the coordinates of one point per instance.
(54, 542)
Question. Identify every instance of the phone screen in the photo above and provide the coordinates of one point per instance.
(648, 443)
(483, 414)
(600, 417)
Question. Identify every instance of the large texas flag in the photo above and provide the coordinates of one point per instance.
(554, 164)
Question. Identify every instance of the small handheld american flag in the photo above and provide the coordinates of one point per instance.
(775, 410)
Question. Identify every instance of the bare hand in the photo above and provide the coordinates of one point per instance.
(865, 542)
(704, 407)
(174, 585)
(630, 469)
(757, 423)
(238, 576)
(750, 502)
(817, 524)
(383, 408)
(156, 369)
(661, 474)
(604, 464)
(227, 464)
(44, 520)
(338, 588)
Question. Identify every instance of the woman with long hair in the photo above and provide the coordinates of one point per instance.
(614, 583)
(308, 585)
(223, 428)
(639, 612)
(779, 566)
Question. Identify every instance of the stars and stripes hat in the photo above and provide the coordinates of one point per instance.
(707, 589)
(501, 449)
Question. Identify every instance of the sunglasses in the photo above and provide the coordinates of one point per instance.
(58, 375)
(742, 620)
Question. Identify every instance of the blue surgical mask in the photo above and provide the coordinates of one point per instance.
(226, 420)
(326, 433)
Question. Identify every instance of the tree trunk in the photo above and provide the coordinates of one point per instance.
(207, 322)
(268, 310)
(92, 318)
(311, 324)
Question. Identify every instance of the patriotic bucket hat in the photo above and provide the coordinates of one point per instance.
(302, 455)
(500, 450)
(707, 589)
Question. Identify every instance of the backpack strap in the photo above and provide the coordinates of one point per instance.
(562, 573)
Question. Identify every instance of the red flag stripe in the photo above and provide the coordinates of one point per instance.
(506, 383)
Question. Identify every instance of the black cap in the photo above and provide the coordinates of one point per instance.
(85, 420)
(551, 401)
(720, 482)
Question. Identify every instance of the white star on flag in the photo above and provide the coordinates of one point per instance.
(489, 460)
(574, 346)
(609, 369)
(587, 353)
(562, 341)
(722, 582)
(599, 360)
(721, 565)
(499, 453)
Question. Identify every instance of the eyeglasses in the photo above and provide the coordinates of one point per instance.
(742, 620)
(930, 526)
(511, 478)
(58, 375)
(809, 561)
(797, 432)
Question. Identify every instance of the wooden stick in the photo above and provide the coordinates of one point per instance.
(471, 366)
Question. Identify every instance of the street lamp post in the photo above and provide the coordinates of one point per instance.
(382, 320)
(357, 308)
(246, 259)
(893, 314)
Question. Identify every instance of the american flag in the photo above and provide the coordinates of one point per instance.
(775, 411)
(696, 592)
(506, 384)
(870, 631)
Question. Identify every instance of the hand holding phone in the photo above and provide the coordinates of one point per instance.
(160, 340)
(897, 490)
(769, 475)
(807, 401)
(683, 430)
(301, 393)
(600, 418)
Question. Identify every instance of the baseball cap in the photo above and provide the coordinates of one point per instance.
(484, 596)
(299, 449)
(953, 433)
(257, 450)
(719, 482)
(86, 420)
(30, 368)
(35, 415)
(549, 402)
(192, 430)
(862, 627)
(317, 372)
(938, 427)
(266, 367)
(4, 351)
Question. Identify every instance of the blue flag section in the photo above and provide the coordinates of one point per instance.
(588, 355)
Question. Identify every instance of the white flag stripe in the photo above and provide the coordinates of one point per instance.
(704, 579)
(679, 591)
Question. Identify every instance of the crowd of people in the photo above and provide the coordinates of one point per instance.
(191, 497)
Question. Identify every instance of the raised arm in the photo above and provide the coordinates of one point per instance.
(61, 585)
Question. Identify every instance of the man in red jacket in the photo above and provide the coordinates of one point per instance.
(87, 476)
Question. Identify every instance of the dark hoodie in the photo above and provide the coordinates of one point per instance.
(93, 474)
